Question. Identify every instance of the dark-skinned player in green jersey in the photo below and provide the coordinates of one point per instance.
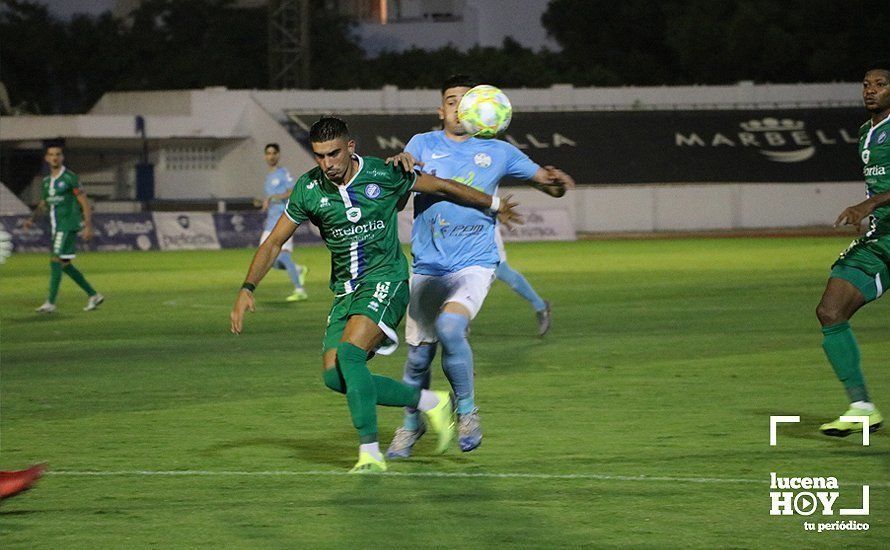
(860, 275)
(354, 201)
(69, 212)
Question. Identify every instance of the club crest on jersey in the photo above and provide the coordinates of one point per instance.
(324, 203)
(882, 138)
(372, 191)
(353, 214)
(482, 160)
(866, 154)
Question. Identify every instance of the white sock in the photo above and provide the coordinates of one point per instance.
(372, 449)
(428, 400)
(865, 405)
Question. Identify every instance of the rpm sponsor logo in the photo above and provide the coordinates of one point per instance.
(785, 140)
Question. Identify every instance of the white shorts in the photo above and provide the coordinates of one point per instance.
(499, 241)
(288, 245)
(467, 287)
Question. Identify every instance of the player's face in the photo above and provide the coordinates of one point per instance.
(54, 157)
(271, 156)
(334, 157)
(876, 91)
(448, 110)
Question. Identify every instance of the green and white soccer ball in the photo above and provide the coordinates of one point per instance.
(484, 111)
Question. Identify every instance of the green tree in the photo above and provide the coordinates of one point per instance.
(30, 56)
(176, 44)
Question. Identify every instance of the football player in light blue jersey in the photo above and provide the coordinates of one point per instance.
(456, 257)
(277, 189)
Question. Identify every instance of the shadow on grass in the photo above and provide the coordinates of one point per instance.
(808, 429)
(35, 318)
(334, 450)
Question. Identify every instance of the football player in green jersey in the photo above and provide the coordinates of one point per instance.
(69, 211)
(353, 201)
(860, 275)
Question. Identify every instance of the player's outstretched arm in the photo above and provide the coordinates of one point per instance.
(262, 262)
(467, 196)
(552, 180)
(853, 215)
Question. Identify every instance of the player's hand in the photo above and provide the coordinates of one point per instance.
(244, 302)
(405, 160)
(507, 213)
(27, 224)
(558, 182)
(5, 246)
(265, 206)
(87, 232)
(853, 215)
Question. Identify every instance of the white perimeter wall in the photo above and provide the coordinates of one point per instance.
(699, 206)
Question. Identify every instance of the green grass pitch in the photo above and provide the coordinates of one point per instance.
(641, 420)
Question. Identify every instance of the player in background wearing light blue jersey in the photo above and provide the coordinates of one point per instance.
(521, 286)
(456, 257)
(277, 189)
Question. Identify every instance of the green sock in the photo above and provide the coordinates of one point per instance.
(390, 393)
(78, 278)
(55, 279)
(843, 353)
(361, 395)
(364, 391)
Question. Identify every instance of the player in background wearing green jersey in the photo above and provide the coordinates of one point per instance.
(354, 202)
(860, 275)
(69, 211)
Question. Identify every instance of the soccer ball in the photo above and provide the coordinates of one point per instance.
(484, 111)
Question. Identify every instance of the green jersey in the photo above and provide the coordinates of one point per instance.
(357, 220)
(60, 194)
(874, 150)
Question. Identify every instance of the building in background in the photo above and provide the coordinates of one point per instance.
(748, 155)
(399, 25)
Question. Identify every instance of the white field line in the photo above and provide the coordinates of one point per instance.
(458, 475)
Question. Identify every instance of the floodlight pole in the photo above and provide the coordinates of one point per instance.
(289, 44)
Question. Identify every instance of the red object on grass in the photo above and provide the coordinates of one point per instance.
(17, 481)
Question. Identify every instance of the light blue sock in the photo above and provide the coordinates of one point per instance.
(284, 260)
(417, 375)
(457, 358)
(518, 283)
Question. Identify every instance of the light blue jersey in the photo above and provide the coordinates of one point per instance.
(277, 182)
(447, 237)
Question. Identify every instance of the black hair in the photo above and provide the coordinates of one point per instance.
(327, 128)
(49, 144)
(273, 146)
(879, 65)
(459, 81)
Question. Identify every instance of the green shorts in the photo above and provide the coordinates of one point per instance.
(63, 244)
(384, 303)
(866, 265)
